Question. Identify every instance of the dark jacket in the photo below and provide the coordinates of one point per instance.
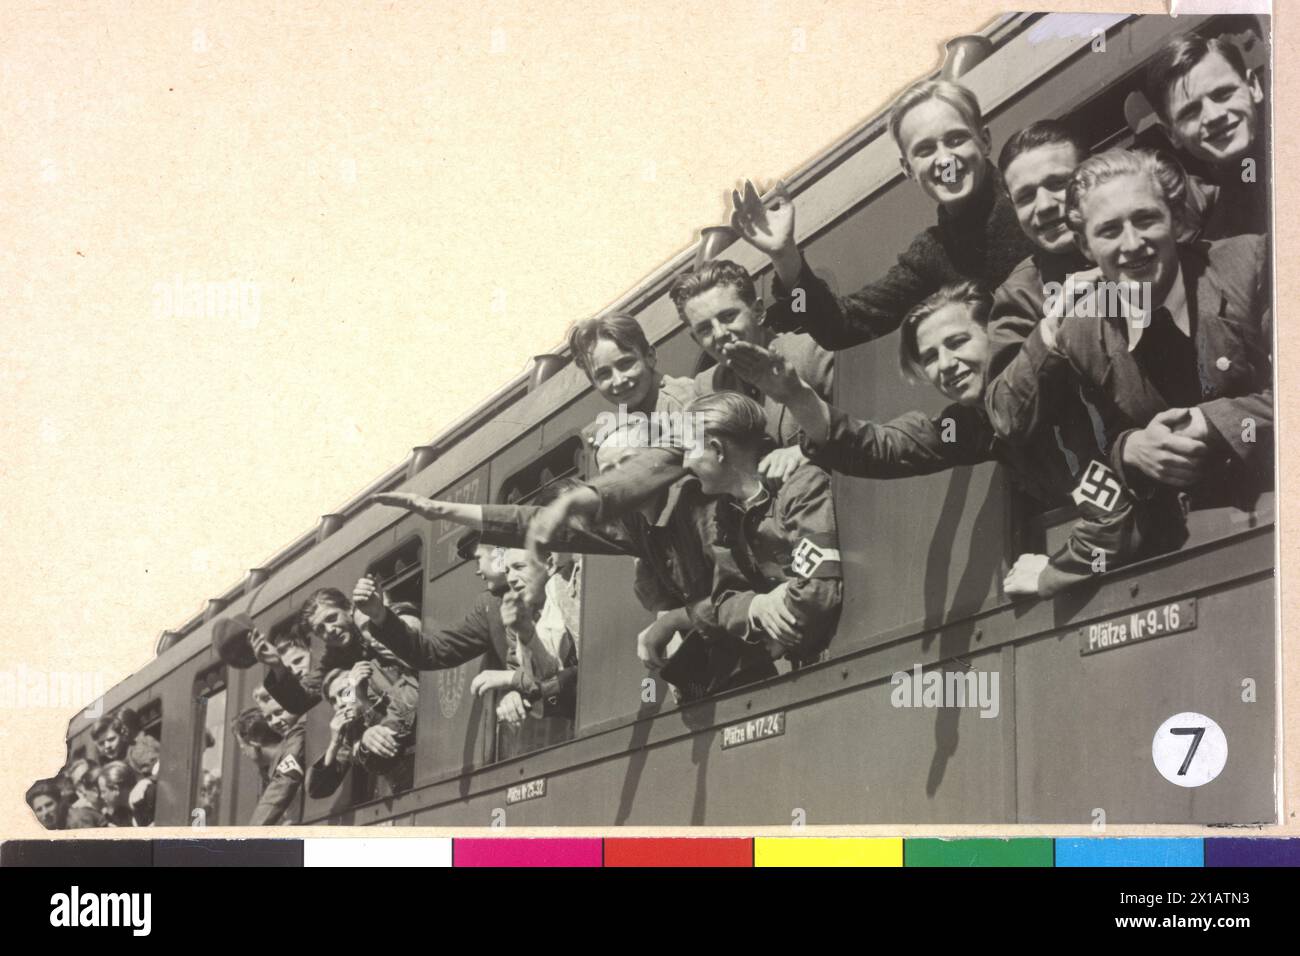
(983, 242)
(1236, 201)
(478, 633)
(918, 444)
(389, 699)
(1228, 302)
(785, 535)
(674, 569)
(284, 779)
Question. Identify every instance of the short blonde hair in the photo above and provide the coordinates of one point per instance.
(955, 95)
(970, 294)
(730, 415)
(1161, 169)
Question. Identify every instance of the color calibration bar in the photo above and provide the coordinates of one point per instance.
(662, 852)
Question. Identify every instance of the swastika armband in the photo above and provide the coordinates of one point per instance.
(289, 766)
(1099, 487)
(808, 558)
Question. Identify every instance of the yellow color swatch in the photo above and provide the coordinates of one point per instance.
(828, 851)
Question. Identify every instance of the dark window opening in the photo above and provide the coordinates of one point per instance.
(151, 719)
(398, 573)
(565, 460)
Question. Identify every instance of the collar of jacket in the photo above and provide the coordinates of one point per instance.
(673, 499)
(762, 498)
(1055, 266)
(975, 212)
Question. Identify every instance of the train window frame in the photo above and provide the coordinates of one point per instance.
(208, 684)
(568, 451)
(571, 452)
(151, 718)
(411, 576)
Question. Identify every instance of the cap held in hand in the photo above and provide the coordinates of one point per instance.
(230, 639)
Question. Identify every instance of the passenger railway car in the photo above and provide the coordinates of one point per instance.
(1072, 736)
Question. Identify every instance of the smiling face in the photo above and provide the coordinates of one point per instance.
(942, 153)
(953, 352)
(1036, 181)
(719, 316)
(333, 625)
(1129, 232)
(622, 376)
(526, 577)
(277, 718)
(1214, 112)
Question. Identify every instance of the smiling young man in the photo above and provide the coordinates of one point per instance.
(1212, 108)
(1036, 163)
(719, 305)
(1184, 388)
(373, 726)
(353, 630)
(944, 341)
(275, 745)
(613, 352)
(944, 147)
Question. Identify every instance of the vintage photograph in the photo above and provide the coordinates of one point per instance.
(933, 485)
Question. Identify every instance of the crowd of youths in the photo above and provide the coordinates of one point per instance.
(720, 485)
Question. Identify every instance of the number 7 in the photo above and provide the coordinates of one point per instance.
(1196, 733)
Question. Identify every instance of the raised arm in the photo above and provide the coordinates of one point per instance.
(471, 516)
(803, 302)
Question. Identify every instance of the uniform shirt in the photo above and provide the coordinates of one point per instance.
(1227, 290)
(781, 536)
(674, 560)
(1223, 203)
(283, 779)
(983, 242)
(390, 698)
(674, 569)
(919, 444)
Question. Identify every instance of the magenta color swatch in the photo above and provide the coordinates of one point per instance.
(526, 852)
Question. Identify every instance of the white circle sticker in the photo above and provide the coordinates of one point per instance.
(1189, 749)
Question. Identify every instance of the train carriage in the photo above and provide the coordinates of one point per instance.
(1083, 680)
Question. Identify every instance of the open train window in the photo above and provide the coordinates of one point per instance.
(151, 719)
(552, 718)
(565, 460)
(398, 573)
(210, 711)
